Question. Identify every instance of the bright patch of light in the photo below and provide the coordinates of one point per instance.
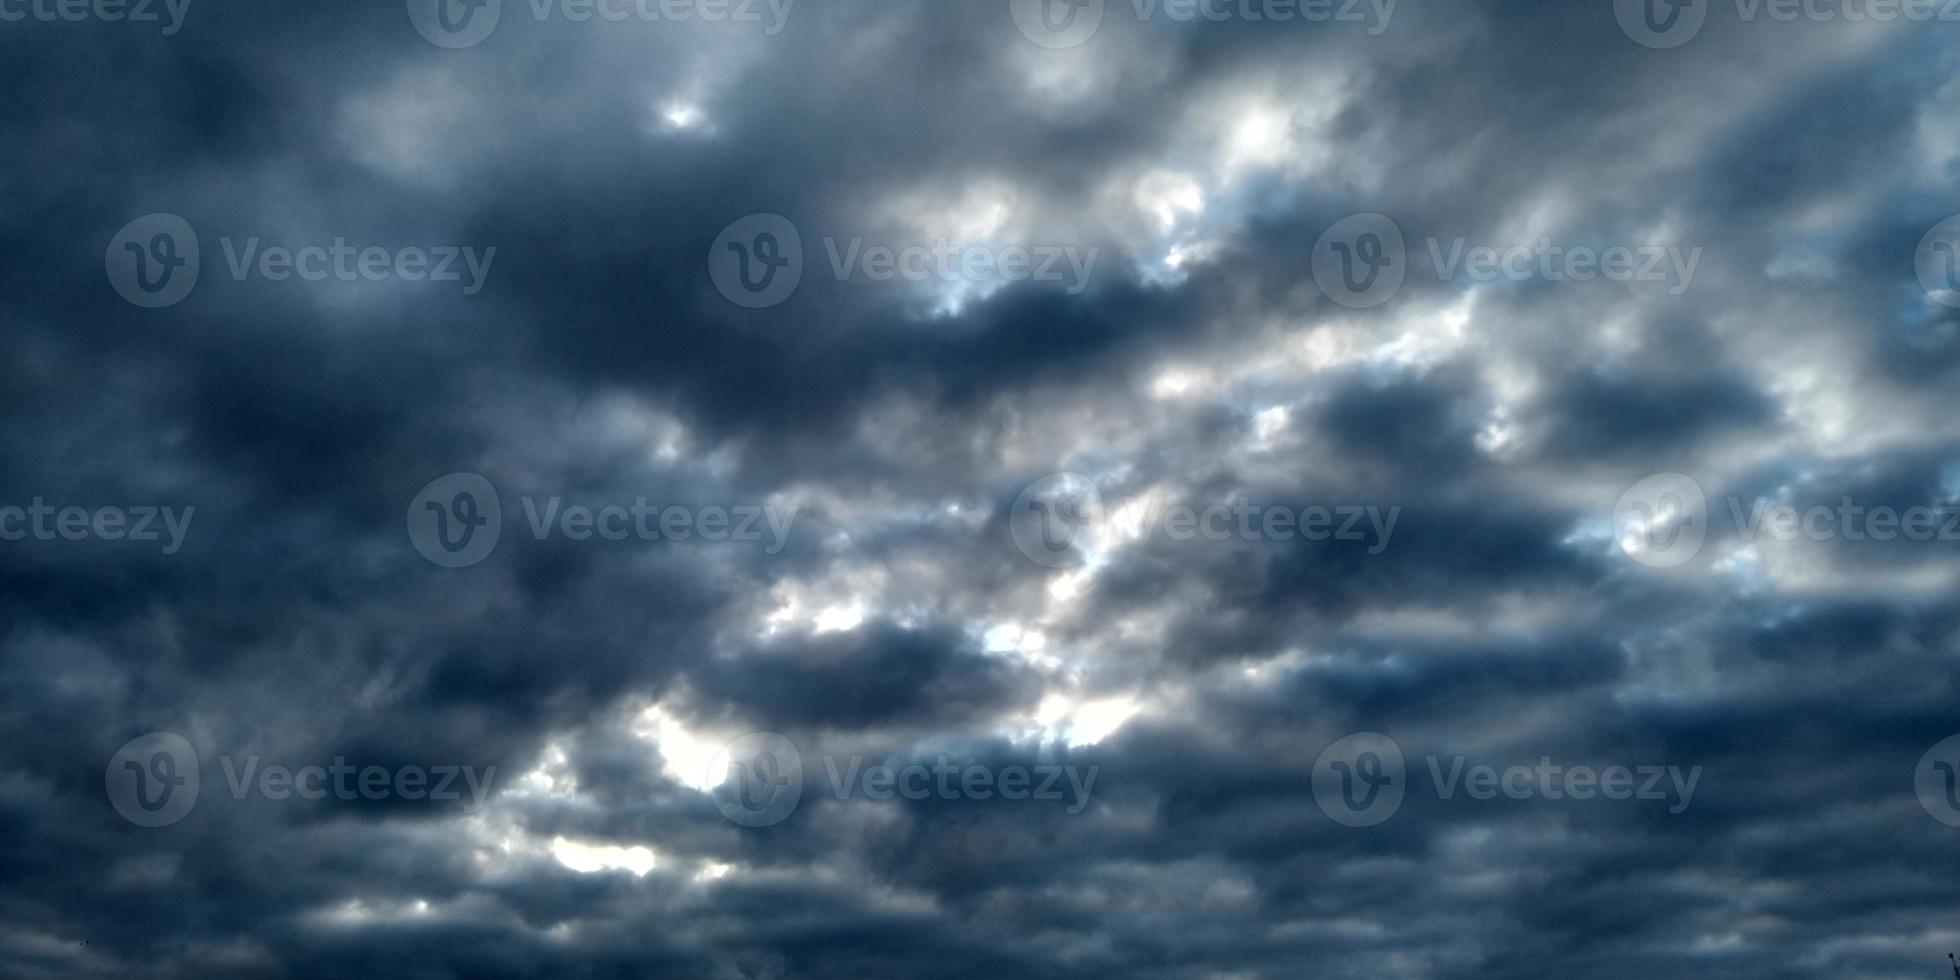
(1078, 723)
(1637, 536)
(1064, 587)
(838, 619)
(1167, 197)
(1498, 436)
(356, 912)
(1178, 383)
(1269, 424)
(681, 115)
(1259, 138)
(553, 776)
(1429, 337)
(590, 858)
(689, 758)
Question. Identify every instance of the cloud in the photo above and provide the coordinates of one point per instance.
(1199, 364)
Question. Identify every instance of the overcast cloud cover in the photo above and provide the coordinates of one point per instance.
(959, 476)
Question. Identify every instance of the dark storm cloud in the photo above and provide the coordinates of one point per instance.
(900, 622)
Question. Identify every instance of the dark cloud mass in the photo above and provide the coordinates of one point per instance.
(1011, 488)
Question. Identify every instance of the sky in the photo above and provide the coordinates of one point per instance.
(998, 488)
